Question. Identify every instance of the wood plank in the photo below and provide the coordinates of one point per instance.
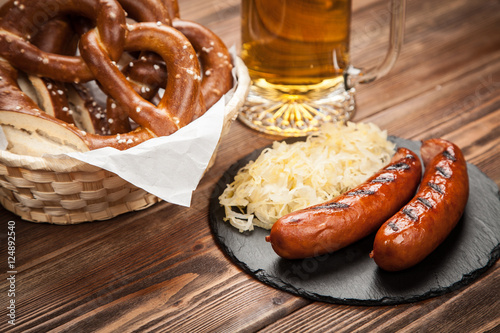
(472, 309)
(469, 104)
(435, 51)
(481, 146)
(449, 105)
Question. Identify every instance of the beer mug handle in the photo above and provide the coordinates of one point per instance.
(353, 76)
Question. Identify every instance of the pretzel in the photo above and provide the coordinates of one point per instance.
(214, 59)
(212, 52)
(54, 36)
(88, 115)
(149, 91)
(147, 11)
(177, 107)
(25, 125)
(187, 60)
(180, 101)
(70, 103)
(21, 20)
(139, 11)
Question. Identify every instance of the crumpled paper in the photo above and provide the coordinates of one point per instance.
(168, 167)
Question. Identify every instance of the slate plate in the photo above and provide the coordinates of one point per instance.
(349, 276)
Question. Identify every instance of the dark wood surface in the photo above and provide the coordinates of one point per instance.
(160, 270)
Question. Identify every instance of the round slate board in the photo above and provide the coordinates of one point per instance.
(349, 276)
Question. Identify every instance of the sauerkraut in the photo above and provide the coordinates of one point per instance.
(287, 177)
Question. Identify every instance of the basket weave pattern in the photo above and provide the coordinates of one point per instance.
(68, 198)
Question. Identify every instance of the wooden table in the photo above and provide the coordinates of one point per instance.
(160, 270)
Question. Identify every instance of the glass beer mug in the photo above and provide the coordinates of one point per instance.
(297, 54)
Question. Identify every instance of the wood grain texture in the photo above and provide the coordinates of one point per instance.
(160, 270)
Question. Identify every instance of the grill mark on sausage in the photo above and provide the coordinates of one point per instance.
(393, 226)
(360, 192)
(409, 156)
(398, 166)
(386, 178)
(445, 173)
(449, 156)
(425, 202)
(411, 215)
(435, 187)
(333, 205)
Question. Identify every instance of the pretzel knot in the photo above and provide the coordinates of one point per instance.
(181, 99)
(21, 20)
(174, 58)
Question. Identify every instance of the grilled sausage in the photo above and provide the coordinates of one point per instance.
(332, 225)
(421, 225)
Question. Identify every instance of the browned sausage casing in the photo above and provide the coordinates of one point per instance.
(346, 219)
(421, 225)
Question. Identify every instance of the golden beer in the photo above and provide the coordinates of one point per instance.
(295, 42)
(296, 52)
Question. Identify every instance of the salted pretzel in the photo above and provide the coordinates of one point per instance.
(176, 108)
(53, 63)
(214, 58)
(71, 103)
(212, 52)
(147, 11)
(188, 61)
(21, 20)
(117, 119)
(146, 88)
(55, 36)
(138, 11)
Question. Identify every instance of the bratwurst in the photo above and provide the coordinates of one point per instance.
(332, 225)
(424, 223)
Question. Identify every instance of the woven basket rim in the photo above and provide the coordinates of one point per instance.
(63, 163)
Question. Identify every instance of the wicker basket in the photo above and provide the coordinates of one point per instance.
(70, 191)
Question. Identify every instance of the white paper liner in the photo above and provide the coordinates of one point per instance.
(169, 167)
